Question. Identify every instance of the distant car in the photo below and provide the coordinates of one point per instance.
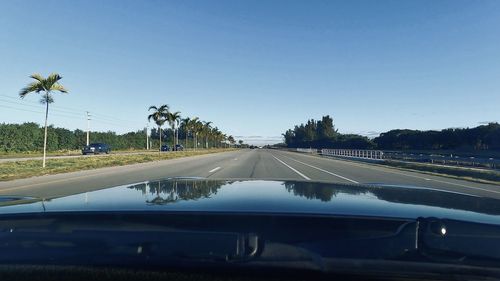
(96, 148)
(179, 147)
(165, 148)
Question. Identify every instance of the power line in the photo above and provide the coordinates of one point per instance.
(100, 116)
(26, 110)
(38, 106)
(66, 112)
(65, 116)
(40, 112)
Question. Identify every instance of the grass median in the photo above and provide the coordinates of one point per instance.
(470, 174)
(461, 173)
(30, 154)
(32, 168)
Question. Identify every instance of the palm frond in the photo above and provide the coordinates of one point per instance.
(30, 88)
(164, 108)
(160, 122)
(43, 85)
(37, 77)
(52, 79)
(58, 87)
(151, 116)
(153, 107)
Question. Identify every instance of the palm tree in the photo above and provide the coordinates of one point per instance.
(197, 128)
(231, 140)
(224, 139)
(45, 86)
(206, 129)
(192, 126)
(159, 115)
(185, 123)
(173, 119)
(215, 136)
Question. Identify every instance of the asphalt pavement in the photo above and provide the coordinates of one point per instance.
(256, 164)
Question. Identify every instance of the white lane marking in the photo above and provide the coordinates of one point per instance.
(389, 170)
(235, 159)
(325, 171)
(214, 169)
(291, 168)
(466, 186)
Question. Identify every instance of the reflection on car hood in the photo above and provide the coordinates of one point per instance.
(297, 197)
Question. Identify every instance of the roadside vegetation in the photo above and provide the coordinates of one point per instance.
(323, 134)
(470, 174)
(63, 152)
(484, 139)
(45, 87)
(30, 168)
(18, 140)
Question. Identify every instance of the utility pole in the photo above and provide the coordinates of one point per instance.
(88, 126)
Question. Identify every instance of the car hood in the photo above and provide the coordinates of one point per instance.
(277, 197)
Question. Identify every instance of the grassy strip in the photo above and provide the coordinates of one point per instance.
(29, 154)
(476, 175)
(460, 173)
(30, 168)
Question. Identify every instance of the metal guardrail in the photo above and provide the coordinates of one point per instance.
(408, 156)
(444, 159)
(307, 150)
(354, 153)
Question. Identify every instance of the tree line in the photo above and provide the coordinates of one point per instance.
(194, 129)
(323, 134)
(484, 137)
(29, 137)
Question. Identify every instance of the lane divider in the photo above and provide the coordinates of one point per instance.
(291, 168)
(392, 171)
(214, 169)
(322, 170)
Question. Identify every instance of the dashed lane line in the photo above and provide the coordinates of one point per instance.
(325, 171)
(291, 168)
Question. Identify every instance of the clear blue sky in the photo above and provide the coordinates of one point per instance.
(256, 68)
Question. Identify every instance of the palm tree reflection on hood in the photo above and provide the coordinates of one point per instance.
(321, 192)
(171, 191)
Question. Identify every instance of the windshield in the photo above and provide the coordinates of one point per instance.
(321, 106)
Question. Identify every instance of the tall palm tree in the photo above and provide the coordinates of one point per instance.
(186, 123)
(216, 136)
(231, 140)
(45, 86)
(206, 129)
(197, 128)
(192, 127)
(159, 115)
(224, 140)
(173, 119)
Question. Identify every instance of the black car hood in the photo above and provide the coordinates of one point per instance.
(256, 196)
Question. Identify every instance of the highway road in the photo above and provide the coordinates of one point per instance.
(241, 164)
